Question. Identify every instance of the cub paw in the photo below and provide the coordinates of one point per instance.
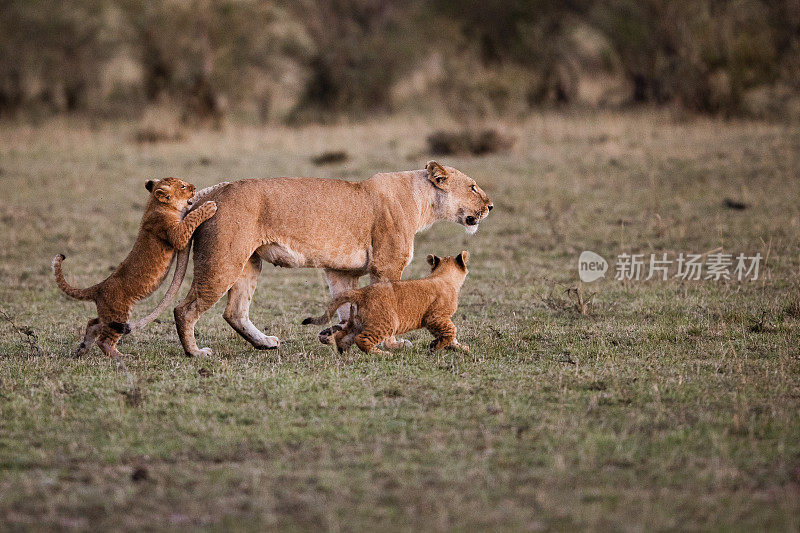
(326, 335)
(80, 350)
(463, 348)
(397, 344)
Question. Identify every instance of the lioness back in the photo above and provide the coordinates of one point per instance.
(292, 222)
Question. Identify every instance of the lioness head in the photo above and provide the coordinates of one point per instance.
(458, 197)
(171, 191)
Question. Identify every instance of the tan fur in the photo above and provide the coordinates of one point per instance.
(348, 228)
(162, 232)
(395, 307)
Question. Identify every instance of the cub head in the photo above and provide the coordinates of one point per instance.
(172, 192)
(458, 197)
(450, 265)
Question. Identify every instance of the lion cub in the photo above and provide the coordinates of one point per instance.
(161, 233)
(396, 307)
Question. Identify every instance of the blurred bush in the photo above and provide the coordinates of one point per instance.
(316, 60)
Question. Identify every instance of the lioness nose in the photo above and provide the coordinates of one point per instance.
(490, 206)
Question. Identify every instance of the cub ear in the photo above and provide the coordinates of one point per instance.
(161, 195)
(437, 174)
(149, 184)
(462, 259)
(433, 261)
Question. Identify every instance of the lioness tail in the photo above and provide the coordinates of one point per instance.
(69, 290)
(352, 296)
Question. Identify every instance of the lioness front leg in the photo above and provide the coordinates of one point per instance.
(338, 282)
(390, 274)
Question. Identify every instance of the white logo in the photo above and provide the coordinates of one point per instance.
(591, 267)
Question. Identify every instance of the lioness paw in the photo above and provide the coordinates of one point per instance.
(202, 352)
(268, 343)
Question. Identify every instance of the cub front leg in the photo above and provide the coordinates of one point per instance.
(444, 333)
(181, 233)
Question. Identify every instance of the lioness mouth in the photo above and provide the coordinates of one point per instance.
(471, 224)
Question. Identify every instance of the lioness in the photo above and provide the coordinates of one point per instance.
(161, 233)
(350, 229)
(395, 307)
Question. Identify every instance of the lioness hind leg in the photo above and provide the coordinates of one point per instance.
(186, 316)
(93, 329)
(237, 311)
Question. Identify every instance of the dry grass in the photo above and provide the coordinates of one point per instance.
(665, 405)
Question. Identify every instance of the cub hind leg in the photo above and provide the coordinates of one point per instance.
(93, 329)
(371, 336)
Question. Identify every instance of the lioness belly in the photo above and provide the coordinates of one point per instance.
(294, 256)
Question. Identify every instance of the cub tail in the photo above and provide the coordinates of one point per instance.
(352, 297)
(69, 290)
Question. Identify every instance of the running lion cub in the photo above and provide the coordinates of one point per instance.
(161, 233)
(396, 307)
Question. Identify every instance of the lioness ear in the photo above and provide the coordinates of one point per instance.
(433, 261)
(437, 174)
(161, 195)
(149, 185)
(462, 259)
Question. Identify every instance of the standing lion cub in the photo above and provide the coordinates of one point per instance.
(396, 307)
(161, 233)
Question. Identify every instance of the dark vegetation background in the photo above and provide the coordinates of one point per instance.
(318, 60)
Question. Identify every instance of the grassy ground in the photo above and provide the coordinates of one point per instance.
(670, 406)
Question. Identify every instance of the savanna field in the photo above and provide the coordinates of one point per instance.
(635, 405)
